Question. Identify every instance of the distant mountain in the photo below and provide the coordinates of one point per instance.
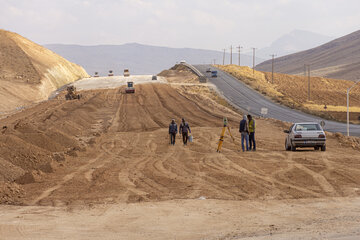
(295, 41)
(140, 59)
(339, 58)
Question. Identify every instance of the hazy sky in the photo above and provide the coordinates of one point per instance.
(207, 24)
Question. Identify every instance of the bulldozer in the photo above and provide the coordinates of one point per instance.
(130, 87)
(71, 93)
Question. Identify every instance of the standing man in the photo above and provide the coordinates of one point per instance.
(184, 129)
(173, 131)
(252, 144)
(244, 130)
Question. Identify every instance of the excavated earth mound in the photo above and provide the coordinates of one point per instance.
(30, 72)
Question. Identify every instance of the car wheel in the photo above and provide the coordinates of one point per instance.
(323, 148)
(293, 148)
(287, 147)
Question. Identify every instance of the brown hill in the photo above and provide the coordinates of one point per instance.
(30, 72)
(338, 59)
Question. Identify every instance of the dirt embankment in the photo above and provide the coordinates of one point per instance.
(292, 91)
(187, 83)
(30, 72)
(179, 74)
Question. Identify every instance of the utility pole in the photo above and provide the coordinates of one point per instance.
(239, 47)
(308, 69)
(231, 48)
(253, 60)
(224, 56)
(214, 61)
(347, 106)
(272, 68)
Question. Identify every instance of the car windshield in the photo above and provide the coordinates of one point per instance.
(308, 127)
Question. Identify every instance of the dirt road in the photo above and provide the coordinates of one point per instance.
(111, 149)
(336, 218)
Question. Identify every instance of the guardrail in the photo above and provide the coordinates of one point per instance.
(202, 78)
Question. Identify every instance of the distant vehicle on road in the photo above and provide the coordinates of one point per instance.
(130, 87)
(208, 70)
(154, 77)
(214, 74)
(126, 73)
(96, 74)
(111, 73)
(182, 61)
(304, 135)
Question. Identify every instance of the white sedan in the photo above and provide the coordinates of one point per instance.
(303, 135)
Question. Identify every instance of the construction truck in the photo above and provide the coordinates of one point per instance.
(71, 93)
(126, 73)
(130, 87)
(111, 73)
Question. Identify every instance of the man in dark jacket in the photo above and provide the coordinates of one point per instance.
(173, 131)
(244, 130)
(184, 130)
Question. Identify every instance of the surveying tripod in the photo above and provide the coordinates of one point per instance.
(221, 140)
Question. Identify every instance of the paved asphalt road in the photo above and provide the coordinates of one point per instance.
(250, 101)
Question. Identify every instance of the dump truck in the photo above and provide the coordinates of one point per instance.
(71, 93)
(214, 74)
(126, 73)
(130, 87)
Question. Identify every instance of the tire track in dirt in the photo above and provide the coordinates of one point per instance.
(273, 181)
(65, 179)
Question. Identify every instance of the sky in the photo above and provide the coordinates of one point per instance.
(205, 24)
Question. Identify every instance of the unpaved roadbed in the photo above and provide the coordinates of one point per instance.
(334, 218)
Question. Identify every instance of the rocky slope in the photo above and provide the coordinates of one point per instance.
(30, 72)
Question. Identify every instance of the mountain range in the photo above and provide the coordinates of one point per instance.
(139, 58)
(295, 41)
(339, 58)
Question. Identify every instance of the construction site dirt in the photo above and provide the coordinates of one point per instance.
(106, 159)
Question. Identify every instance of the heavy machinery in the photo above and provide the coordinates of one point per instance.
(111, 73)
(126, 73)
(71, 93)
(130, 87)
(213, 74)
